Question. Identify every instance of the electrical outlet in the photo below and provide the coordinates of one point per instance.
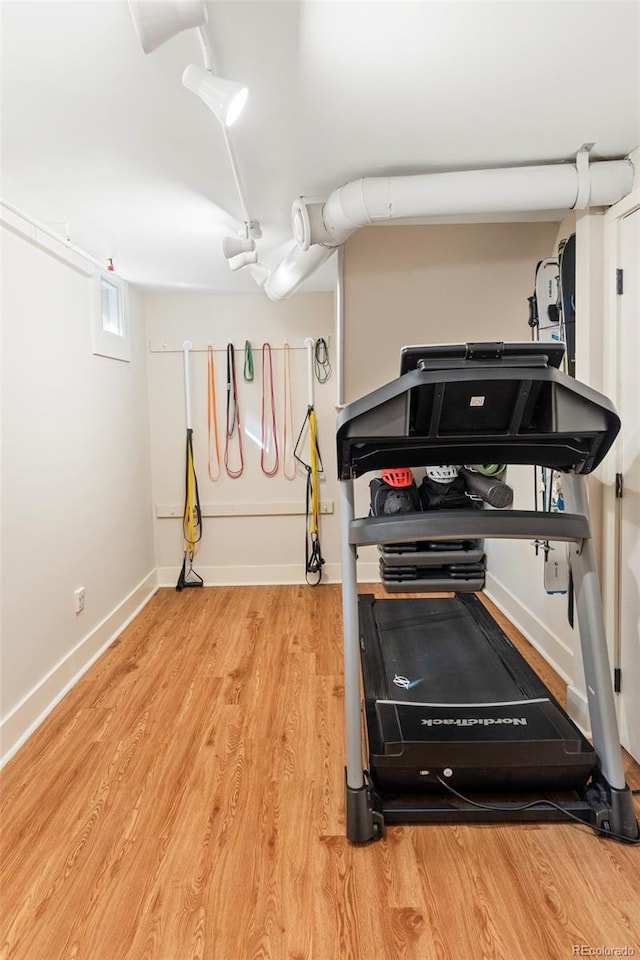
(80, 597)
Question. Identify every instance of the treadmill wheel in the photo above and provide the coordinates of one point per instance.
(378, 825)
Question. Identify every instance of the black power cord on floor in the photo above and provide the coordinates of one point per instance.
(539, 803)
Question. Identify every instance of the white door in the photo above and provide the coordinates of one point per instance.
(629, 409)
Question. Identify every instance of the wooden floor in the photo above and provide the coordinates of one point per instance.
(185, 800)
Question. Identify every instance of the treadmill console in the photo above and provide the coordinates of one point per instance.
(529, 352)
(478, 403)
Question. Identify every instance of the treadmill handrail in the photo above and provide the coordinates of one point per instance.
(469, 525)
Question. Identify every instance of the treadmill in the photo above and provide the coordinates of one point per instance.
(452, 720)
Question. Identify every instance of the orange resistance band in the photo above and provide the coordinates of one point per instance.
(212, 418)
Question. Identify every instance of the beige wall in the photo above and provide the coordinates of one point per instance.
(435, 284)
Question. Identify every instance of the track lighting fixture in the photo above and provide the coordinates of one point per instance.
(156, 21)
(225, 98)
(239, 252)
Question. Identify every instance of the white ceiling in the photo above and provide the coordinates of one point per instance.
(104, 141)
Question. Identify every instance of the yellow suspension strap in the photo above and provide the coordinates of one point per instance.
(314, 560)
(313, 553)
(192, 515)
(314, 513)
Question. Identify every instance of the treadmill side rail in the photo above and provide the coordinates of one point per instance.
(597, 670)
(351, 645)
(469, 525)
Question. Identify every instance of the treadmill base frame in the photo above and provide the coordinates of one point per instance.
(603, 808)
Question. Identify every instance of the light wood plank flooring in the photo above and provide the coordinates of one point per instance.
(185, 800)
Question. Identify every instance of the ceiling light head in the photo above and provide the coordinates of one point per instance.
(225, 98)
(156, 21)
(243, 260)
(232, 246)
(239, 252)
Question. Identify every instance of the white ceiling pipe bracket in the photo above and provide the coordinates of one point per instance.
(584, 180)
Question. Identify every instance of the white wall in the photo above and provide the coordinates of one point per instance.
(76, 505)
(267, 548)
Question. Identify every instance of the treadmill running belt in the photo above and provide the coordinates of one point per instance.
(445, 689)
(442, 653)
(447, 650)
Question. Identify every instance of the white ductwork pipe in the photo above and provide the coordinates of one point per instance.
(296, 267)
(374, 200)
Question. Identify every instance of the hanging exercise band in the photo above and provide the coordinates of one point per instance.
(313, 553)
(268, 401)
(213, 459)
(322, 366)
(248, 362)
(192, 516)
(233, 416)
(289, 463)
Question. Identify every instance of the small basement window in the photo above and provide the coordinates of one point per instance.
(110, 318)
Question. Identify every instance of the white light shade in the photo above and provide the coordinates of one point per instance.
(239, 252)
(156, 21)
(225, 98)
(243, 260)
(232, 246)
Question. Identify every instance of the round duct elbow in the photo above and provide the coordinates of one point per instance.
(297, 266)
(307, 223)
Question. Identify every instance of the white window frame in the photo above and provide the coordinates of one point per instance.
(111, 335)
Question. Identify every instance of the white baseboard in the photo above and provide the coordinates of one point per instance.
(236, 576)
(557, 654)
(27, 716)
(245, 576)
